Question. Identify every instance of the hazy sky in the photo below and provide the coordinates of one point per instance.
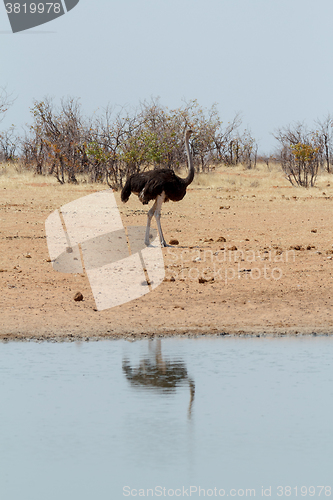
(269, 59)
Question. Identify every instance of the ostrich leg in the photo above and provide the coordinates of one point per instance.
(159, 201)
(149, 218)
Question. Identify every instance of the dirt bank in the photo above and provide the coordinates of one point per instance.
(272, 274)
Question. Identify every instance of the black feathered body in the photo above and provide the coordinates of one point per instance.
(159, 185)
(149, 185)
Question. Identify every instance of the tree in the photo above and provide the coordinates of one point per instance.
(326, 140)
(226, 142)
(8, 144)
(299, 154)
(6, 100)
(121, 141)
(57, 139)
(8, 138)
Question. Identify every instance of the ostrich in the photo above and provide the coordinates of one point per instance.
(156, 373)
(160, 185)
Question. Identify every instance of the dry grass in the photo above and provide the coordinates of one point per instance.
(240, 178)
(234, 182)
(262, 181)
(14, 176)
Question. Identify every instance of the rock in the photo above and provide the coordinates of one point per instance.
(313, 230)
(169, 279)
(173, 242)
(78, 297)
(204, 280)
(221, 239)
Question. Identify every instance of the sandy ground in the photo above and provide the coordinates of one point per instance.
(272, 275)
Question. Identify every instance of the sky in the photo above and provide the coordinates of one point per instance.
(270, 60)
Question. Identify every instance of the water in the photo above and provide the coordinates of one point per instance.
(113, 419)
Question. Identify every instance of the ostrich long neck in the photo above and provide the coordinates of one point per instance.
(190, 175)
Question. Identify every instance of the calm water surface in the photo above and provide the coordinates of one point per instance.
(85, 420)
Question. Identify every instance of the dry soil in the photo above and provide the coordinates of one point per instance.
(254, 258)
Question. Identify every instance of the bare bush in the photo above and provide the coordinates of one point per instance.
(8, 138)
(55, 142)
(6, 100)
(300, 154)
(233, 148)
(132, 140)
(325, 135)
(8, 145)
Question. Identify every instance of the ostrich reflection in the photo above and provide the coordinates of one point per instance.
(160, 374)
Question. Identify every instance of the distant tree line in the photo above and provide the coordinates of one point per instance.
(118, 142)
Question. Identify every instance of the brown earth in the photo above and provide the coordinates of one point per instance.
(272, 275)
